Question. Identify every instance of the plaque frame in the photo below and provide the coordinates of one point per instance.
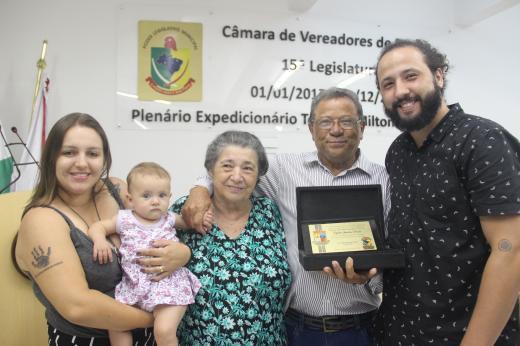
(328, 204)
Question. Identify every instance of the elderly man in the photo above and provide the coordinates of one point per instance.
(330, 307)
(455, 211)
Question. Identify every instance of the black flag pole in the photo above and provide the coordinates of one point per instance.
(21, 142)
(8, 146)
(16, 164)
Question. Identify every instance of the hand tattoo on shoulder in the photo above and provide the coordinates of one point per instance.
(505, 245)
(42, 259)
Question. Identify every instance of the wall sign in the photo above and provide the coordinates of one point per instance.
(170, 61)
(253, 71)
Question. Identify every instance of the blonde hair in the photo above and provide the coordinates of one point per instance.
(146, 168)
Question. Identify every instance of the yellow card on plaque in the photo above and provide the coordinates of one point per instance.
(341, 237)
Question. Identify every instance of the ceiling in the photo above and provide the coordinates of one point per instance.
(466, 12)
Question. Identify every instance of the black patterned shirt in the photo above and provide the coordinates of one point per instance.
(468, 167)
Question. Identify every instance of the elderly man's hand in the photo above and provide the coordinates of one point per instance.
(196, 205)
(349, 275)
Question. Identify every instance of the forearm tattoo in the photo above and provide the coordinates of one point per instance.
(505, 245)
(42, 259)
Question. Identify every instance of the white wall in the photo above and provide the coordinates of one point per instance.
(485, 76)
(82, 62)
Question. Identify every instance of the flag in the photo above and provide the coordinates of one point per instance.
(6, 166)
(35, 141)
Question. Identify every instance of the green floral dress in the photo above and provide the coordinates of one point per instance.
(244, 282)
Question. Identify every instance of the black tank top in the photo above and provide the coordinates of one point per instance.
(101, 277)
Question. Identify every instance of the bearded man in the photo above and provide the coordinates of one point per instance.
(455, 211)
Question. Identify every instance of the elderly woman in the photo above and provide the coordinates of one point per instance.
(53, 247)
(241, 262)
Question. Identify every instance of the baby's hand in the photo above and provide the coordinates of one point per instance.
(102, 251)
(207, 222)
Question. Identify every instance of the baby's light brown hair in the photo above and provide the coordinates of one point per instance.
(146, 168)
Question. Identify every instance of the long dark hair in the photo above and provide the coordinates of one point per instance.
(47, 186)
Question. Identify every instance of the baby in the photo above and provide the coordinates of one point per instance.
(149, 195)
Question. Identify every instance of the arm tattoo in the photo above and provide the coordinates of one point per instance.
(505, 245)
(49, 267)
(41, 259)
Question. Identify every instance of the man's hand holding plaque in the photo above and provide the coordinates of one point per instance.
(349, 275)
(339, 222)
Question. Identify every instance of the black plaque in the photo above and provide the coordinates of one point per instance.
(337, 222)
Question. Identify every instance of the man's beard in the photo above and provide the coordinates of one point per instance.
(429, 107)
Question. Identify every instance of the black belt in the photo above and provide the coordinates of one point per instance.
(330, 324)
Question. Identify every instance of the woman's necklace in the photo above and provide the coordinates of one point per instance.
(77, 214)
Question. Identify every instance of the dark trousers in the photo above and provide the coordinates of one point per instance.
(298, 335)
